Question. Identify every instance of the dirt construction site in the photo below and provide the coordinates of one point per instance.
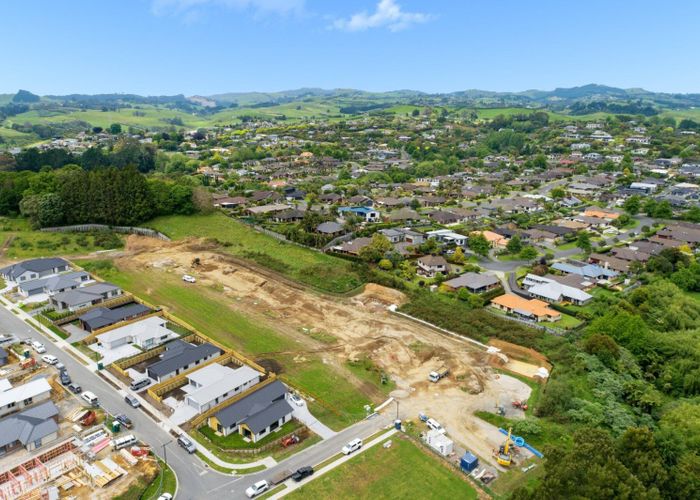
(359, 327)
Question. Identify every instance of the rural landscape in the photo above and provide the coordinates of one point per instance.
(331, 292)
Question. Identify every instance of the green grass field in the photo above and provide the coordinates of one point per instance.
(324, 272)
(25, 243)
(396, 472)
(339, 401)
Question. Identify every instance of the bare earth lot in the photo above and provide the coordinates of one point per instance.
(351, 329)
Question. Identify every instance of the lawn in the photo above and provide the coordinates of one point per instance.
(316, 269)
(566, 322)
(164, 481)
(339, 401)
(235, 441)
(395, 472)
(26, 243)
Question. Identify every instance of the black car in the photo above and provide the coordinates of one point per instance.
(65, 378)
(124, 420)
(75, 388)
(302, 473)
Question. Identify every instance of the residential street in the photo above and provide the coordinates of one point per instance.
(195, 479)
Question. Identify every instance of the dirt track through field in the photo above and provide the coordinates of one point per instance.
(353, 329)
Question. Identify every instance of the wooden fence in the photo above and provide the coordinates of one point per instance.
(89, 228)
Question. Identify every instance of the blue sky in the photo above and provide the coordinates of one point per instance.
(158, 47)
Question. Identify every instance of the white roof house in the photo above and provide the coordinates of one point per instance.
(551, 291)
(447, 236)
(215, 383)
(24, 395)
(147, 333)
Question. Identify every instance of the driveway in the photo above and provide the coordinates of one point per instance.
(303, 415)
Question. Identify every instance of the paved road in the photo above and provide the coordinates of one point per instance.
(186, 467)
(195, 479)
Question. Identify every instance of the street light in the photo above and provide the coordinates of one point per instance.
(165, 454)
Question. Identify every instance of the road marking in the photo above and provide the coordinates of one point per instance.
(204, 471)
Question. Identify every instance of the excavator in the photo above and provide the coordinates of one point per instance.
(504, 456)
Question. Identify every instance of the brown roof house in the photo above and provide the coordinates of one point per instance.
(432, 265)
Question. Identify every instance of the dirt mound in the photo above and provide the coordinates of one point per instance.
(382, 294)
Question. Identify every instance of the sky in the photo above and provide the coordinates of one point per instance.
(205, 47)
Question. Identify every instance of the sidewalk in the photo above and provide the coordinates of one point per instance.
(165, 423)
(291, 485)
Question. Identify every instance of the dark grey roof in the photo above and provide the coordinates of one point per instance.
(249, 406)
(102, 316)
(329, 227)
(472, 281)
(34, 265)
(3, 353)
(179, 354)
(262, 420)
(29, 425)
(85, 294)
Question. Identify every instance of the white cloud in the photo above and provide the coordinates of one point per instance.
(192, 9)
(388, 14)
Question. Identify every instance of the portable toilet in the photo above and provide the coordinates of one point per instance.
(468, 462)
(116, 426)
(397, 424)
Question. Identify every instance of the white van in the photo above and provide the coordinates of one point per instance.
(38, 347)
(123, 442)
(435, 425)
(90, 398)
(140, 383)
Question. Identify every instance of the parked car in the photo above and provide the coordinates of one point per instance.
(132, 401)
(60, 366)
(296, 399)
(165, 496)
(353, 445)
(435, 425)
(75, 388)
(189, 279)
(124, 420)
(187, 444)
(302, 473)
(49, 359)
(4, 339)
(65, 378)
(38, 347)
(90, 398)
(257, 488)
(26, 341)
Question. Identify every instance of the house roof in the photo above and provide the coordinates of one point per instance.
(252, 404)
(146, 328)
(31, 389)
(355, 245)
(29, 425)
(217, 380)
(329, 227)
(473, 281)
(85, 294)
(404, 213)
(432, 260)
(34, 265)
(261, 420)
(531, 307)
(103, 316)
(583, 269)
(59, 282)
(553, 290)
(179, 354)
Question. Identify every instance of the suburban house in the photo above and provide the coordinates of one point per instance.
(31, 428)
(610, 261)
(33, 269)
(532, 309)
(445, 218)
(255, 415)
(330, 228)
(474, 282)
(17, 398)
(290, 215)
(494, 239)
(53, 284)
(548, 290)
(446, 236)
(215, 383)
(352, 247)
(146, 334)
(72, 300)
(404, 214)
(432, 265)
(366, 213)
(180, 356)
(101, 317)
(590, 271)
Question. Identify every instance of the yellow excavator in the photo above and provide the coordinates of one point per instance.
(504, 456)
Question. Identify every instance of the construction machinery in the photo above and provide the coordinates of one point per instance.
(521, 405)
(436, 375)
(504, 456)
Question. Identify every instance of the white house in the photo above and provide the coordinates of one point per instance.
(20, 397)
(447, 236)
(147, 334)
(215, 383)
